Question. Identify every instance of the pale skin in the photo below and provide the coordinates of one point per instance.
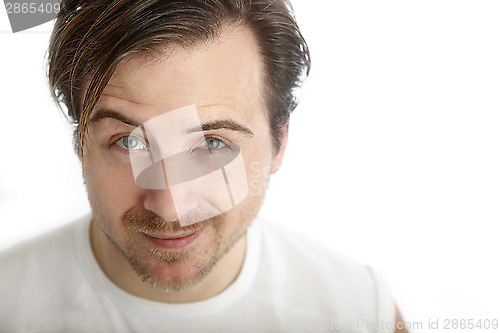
(224, 80)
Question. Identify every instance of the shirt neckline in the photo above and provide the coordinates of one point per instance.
(131, 303)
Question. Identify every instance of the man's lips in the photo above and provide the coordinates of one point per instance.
(173, 242)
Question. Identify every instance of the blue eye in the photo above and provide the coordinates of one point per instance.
(212, 144)
(131, 142)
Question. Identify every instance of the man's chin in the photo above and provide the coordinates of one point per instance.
(178, 272)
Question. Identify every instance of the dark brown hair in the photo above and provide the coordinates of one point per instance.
(91, 37)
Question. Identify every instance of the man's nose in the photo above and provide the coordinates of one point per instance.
(161, 203)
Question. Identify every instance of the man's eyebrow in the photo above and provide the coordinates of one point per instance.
(222, 124)
(107, 113)
(209, 126)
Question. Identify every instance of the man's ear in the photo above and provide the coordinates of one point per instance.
(278, 156)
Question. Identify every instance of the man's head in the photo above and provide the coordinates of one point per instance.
(118, 65)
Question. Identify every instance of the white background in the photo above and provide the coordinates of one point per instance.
(393, 156)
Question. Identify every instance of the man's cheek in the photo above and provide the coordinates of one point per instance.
(106, 190)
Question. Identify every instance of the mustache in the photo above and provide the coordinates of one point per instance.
(144, 222)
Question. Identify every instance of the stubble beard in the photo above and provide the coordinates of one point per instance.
(144, 260)
(142, 222)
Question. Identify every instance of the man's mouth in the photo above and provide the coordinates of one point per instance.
(179, 241)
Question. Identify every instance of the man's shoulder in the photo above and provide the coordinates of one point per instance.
(302, 251)
(42, 256)
(317, 280)
(55, 241)
(35, 273)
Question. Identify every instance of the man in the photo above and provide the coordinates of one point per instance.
(181, 111)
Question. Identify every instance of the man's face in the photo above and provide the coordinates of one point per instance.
(224, 80)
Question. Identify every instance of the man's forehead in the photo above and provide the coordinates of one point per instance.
(230, 62)
(134, 112)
